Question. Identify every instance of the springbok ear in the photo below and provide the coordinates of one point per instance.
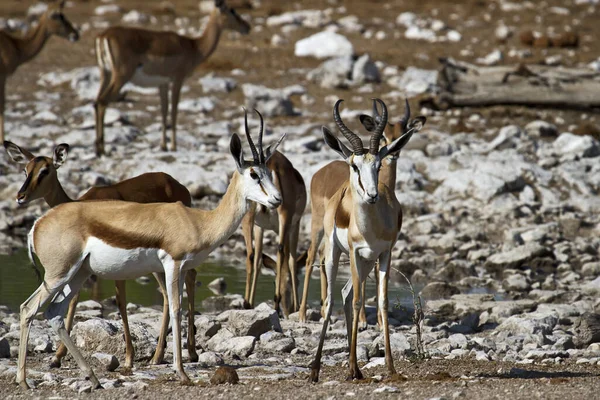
(271, 149)
(417, 124)
(18, 155)
(235, 147)
(368, 122)
(335, 144)
(396, 145)
(60, 154)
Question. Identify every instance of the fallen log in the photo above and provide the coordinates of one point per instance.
(462, 84)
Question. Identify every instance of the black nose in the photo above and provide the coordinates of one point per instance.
(277, 198)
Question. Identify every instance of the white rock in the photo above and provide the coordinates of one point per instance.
(324, 45)
(570, 145)
(453, 36)
(333, 73)
(136, 17)
(211, 83)
(415, 80)
(365, 70)
(406, 18)
(540, 128)
(416, 33)
(107, 9)
(270, 102)
(491, 59)
(109, 361)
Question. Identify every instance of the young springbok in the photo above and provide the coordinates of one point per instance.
(363, 219)
(15, 51)
(285, 221)
(121, 240)
(327, 180)
(41, 181)
(156, 59)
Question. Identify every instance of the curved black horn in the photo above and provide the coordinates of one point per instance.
(406, 117)
(260, 137)
(357, 145)
(378, 133)
(376, 115)
(252, 147)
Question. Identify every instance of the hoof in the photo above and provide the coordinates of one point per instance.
(355, 375)
(185, 381)
(193, 357)
(247, 305)
(156, 361)
(24, 385)
(55, 363)
(314, 375)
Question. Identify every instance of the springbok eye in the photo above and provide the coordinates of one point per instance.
(43, 173)
(254, 176)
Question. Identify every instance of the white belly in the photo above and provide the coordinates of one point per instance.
(114, 263)
(340, 237)
(144, 80)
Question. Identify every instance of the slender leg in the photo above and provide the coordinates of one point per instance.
(294, 264)
(384, 262)
(174, 283)
(323, 286)
(247, 228)
(55, 313)
(28, 310)
(357, 301)
(379, 311)
(159, 354)
(347, 294)
(362, 320)
(122, 304)
(316, 235)
(283, 255)
(163, 91)
(61, 352)
(108, 93)
(190, 287)
(2, 102)
(258, 246)
(331, 265)
(175, 91)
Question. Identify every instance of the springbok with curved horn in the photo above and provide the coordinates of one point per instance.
(156, 59)
(121, 240)
(41, 181)
(15, 51)
(285, 221)
(327, 180)
(362, 219)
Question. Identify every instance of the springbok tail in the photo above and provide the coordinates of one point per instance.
(31, 252)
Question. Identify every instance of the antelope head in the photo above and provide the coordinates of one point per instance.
(257, 183)
(57, 24)
(364, 163)
(393, 131)
(40, 172)
(230, 19)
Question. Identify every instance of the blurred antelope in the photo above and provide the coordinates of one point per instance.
(15, 51)
(156, 59)
(362, 219)
(122, 240)
(327, 180)
(285, 221)
(41, 181)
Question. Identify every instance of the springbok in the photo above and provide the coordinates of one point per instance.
(285, 221)
(15, 51)
(327, 180)
(363, 219)
(41, 181)
(156, 59)
(121, 240)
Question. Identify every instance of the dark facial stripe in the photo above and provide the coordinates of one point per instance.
(25, 184)
(263, 189)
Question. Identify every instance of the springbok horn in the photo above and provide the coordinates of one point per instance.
(357, 145)
(376, 136)
(406, 117)
(260, 137)
(252, 147)
(376, 114)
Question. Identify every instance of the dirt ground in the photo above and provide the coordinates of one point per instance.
(476, 20)
(429, 379)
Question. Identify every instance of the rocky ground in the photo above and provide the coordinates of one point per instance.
(499, 200)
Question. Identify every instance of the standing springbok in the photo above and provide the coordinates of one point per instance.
(41, 181)
(327, 180)
(363, 219)
(15, 51)
(121, 240)
(156, 59)
(285, 221)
